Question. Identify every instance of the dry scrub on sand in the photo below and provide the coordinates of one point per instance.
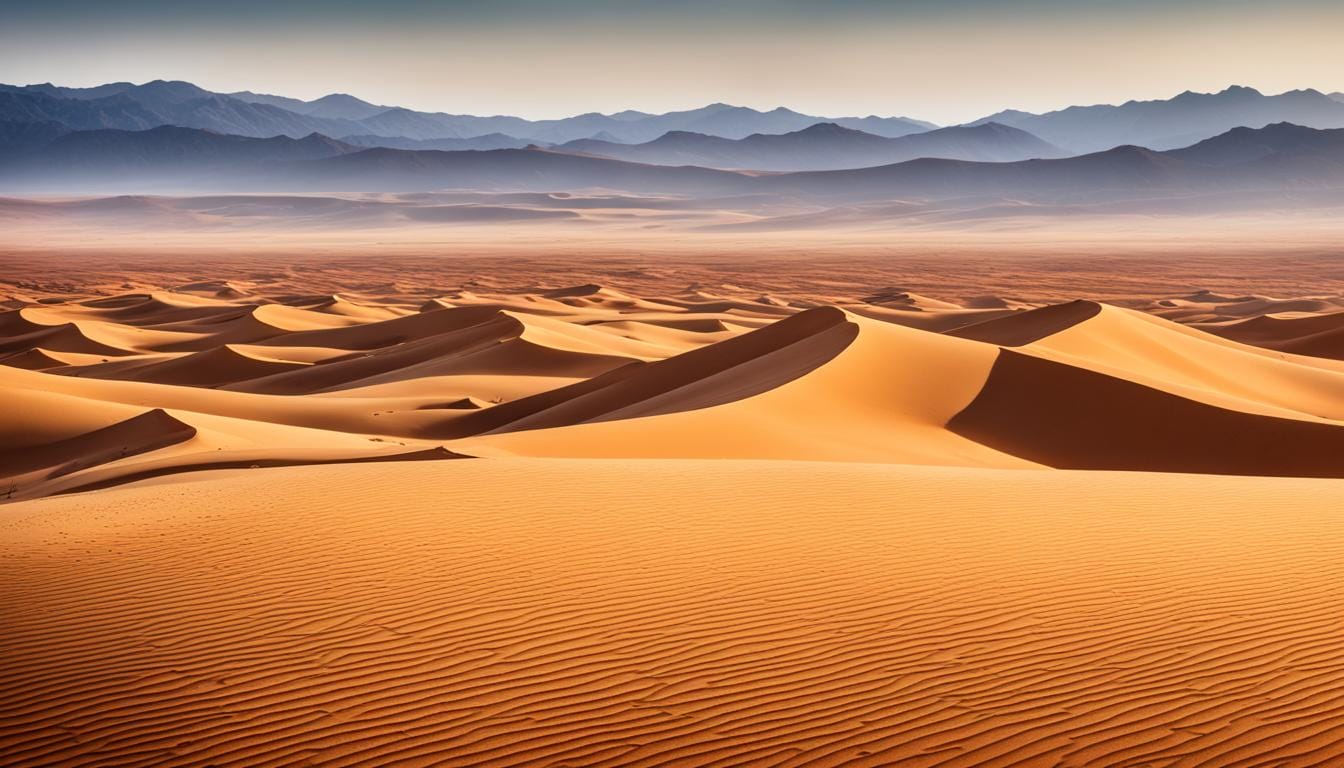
(707, 526)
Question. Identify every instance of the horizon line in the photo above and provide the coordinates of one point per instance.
(571, 115)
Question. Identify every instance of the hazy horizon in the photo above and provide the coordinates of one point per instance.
(943, 62)
(694, 104)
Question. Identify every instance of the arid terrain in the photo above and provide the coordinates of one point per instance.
(929, 499)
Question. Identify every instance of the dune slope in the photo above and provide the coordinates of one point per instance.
(1073, 418)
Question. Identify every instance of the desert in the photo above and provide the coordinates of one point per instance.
(746, 383)
(696, 520)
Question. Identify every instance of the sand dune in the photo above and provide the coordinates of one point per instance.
(879, 392)
(139, 434)
(779, 353)
(1048, 412)
(66, 337)
(1018, 329)
(39, 359)
(210, 368)
(674, 613)
(592, 371)
(532, 522)
(1309, 334)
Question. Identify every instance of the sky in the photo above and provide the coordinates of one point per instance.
(946, 61)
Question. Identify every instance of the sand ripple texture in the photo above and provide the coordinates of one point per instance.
(673, 613)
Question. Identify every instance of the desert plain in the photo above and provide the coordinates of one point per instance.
(523, 497)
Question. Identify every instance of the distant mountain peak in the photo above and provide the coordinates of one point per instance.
(681, 136)
(180, 88)
(341, 98)
(1230, 92)
(827, 127)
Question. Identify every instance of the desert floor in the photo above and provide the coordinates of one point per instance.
(945, 502)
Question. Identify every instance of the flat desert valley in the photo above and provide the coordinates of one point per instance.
(928, 500)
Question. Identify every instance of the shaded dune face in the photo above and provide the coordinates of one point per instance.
(429, 454)
(1073, 418)
(593, 371)
(1021, 329)
(1315, 335)
(789, 348)
(140, 434)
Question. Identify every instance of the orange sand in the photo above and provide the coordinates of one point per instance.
(623, 613)
(265, 520)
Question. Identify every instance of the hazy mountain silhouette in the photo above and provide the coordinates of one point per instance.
(1175, 122)
(96, 92)
(733, 122)
(531, 169)
(1094, 176)
(139, 107)
(337, 106)
(716, 120)
(1338, 96)
(1240, 146)
(824, 146)
(136, 107)
(18, 139)
(76, 114)
(488, 141)
(1163, 124)
(1292, 162)
(166, 152)
(298, 106)
(1266, 162)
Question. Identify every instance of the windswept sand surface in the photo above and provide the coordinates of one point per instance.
(623, 613)
(589, 524)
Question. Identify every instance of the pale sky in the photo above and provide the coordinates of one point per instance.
(947, 61)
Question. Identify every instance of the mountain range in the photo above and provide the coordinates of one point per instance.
(1156, 124)
(128, 106)
(175, 136)
(1176, 122)
(488, 141)
(1268, 162)
(48, 153)
(168, 149)
(824, 146)
(1277, 157)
